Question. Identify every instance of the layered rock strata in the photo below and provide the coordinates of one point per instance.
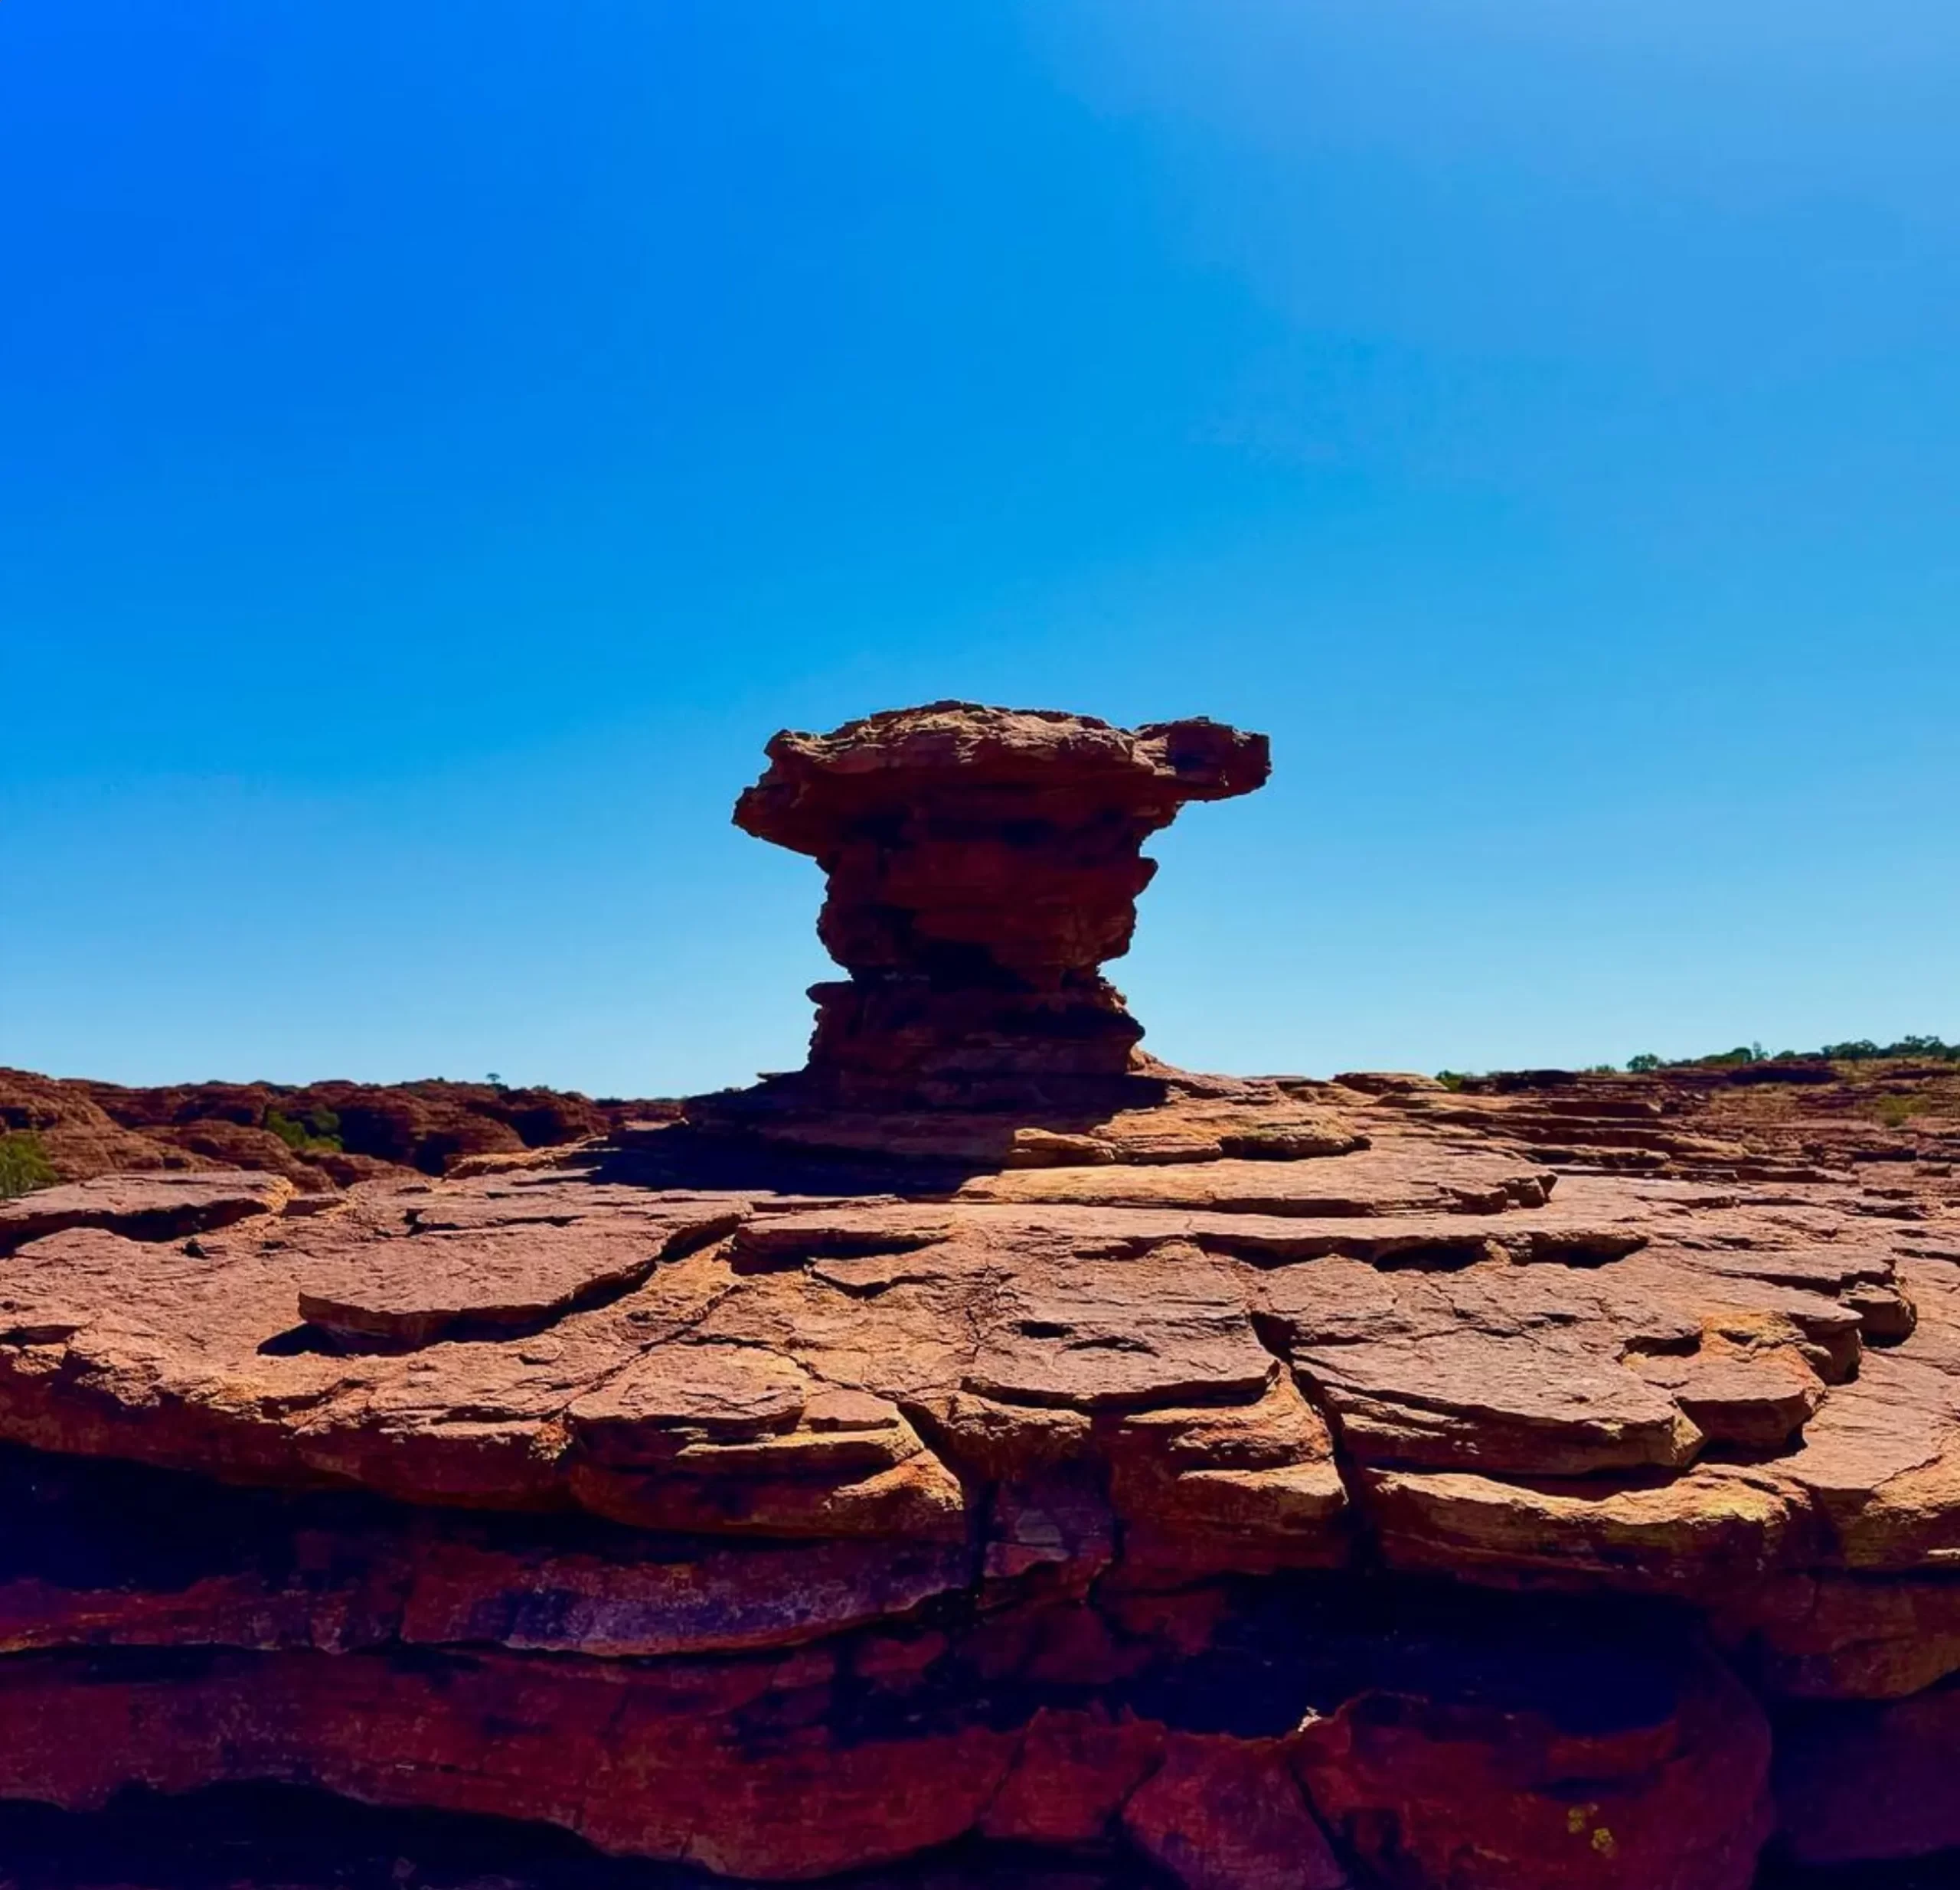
(981, 866)
(1279, 1485)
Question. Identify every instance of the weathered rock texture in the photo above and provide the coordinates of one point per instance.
(328, 1135)
(981, 865)
(1276, 1485)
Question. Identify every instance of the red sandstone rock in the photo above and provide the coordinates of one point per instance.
(142, 1206)
(1048, 1448)
(78, 1136)
(459, 1282)
(1225, 1814)
(981, 864)
(1839, 1636)
(1074, 1774)
(1078, 1392)
(1478, 1797)
(730, 1764)
(346, 1132)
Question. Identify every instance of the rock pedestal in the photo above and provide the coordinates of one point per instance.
(982, 865)
(1543, 1484)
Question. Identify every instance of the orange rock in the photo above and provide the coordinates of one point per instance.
(991, 1436)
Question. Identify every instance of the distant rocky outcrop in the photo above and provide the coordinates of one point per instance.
(989, 1457)
(321, 1137)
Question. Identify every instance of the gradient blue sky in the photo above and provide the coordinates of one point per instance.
(440, 443)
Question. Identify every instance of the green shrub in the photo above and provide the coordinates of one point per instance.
(24, 1164)
(1895, 1111)
(1862, 1050)
(1854, 1050)
(317, 1133)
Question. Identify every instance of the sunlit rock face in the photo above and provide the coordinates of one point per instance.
(988, 1458)
(982, 865)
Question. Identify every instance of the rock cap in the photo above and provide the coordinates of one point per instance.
(818, 786)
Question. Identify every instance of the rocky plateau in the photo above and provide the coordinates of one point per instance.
(988, 1455)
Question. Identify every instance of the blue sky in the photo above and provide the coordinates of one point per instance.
(439, 444)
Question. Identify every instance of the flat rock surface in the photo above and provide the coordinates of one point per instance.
(1162, 1488)
(149, 1207)
(990, 1440)
(1648, 1380)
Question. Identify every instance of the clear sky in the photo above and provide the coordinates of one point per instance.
(438, 443)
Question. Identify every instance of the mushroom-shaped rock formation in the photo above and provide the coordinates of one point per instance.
(982, 864)
(1546, 1482)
